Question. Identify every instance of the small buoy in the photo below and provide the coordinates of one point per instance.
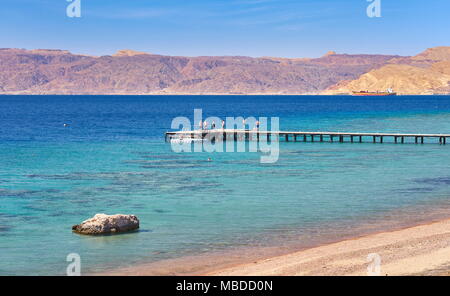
(209, 159)
(66, 125)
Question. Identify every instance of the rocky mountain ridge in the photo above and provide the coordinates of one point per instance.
(130, 72)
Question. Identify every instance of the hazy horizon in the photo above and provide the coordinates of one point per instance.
(193, 56)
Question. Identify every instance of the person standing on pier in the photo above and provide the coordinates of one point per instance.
(200, 125)
(223, 124)
(213, 125)
(205, 125)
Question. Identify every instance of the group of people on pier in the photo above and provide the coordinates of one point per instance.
(203, 125)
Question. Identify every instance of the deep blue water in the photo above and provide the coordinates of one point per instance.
(112, 158)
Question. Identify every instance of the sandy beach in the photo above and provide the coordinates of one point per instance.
(419, 250)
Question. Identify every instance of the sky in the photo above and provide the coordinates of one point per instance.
(281, 28)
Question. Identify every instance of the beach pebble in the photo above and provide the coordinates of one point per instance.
(107, 224)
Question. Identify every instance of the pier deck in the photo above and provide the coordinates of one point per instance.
(301, 136)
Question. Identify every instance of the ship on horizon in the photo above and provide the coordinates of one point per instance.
(388, 92)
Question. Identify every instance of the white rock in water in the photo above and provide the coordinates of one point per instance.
(105, 224)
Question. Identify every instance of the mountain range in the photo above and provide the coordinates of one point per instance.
(46, 71)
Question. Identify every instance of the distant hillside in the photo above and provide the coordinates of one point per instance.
(131, 72)
(426, 73)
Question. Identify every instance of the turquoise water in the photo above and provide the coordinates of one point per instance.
(112, 158)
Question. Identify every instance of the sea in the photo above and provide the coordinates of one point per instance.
(64, 159)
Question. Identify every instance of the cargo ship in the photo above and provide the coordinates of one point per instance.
(388, 92)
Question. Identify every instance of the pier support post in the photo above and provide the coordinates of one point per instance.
(415, 139)
(421, 140)
(374, 139)
(286, 137)
(395, 139)
(321, 138)
(403, 140)
(341, 139)
(351, 139)
(381, 139)
(198, 135)
(445, 140)
(360, 139)
(312, 138)
(331, 139)
(295, 138)
(304, 138)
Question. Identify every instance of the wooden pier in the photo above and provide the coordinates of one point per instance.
(299, 136)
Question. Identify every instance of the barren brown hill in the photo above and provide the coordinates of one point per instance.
(426, 73)
(441, 53)
(130, 72)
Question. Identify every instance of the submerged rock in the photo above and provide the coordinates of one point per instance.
(107, 224)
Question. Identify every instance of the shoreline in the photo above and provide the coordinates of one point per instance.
(205, 94)
(421, 249)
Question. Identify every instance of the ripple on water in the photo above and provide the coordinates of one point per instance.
(414, 190)
(434, 181)
(173, 167)
(24, 193)
(161, 156)
(4, 230)
(4, 227)
(161, 162)
(160, 211)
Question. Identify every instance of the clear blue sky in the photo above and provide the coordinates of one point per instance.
(286, 28)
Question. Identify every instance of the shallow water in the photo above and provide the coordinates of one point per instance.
(112, 158)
